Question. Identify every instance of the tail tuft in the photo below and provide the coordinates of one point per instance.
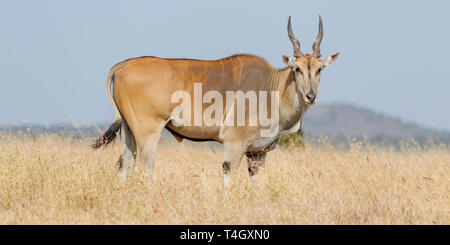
(109, 136)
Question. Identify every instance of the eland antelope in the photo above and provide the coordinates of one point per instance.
(141, 91)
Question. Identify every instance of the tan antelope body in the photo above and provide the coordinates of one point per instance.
(142, 91)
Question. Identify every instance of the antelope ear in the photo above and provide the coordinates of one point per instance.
(329, 60)
(288, 61)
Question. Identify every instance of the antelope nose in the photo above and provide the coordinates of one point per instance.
(311, 97)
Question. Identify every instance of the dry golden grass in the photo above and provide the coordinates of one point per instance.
(54, 180)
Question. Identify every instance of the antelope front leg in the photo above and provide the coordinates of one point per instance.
(255, 160)
(233, 153)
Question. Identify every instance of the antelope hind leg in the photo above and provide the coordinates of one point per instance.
(128, 158)
(148, 152)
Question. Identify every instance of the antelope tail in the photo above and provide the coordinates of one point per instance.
(109, 136)
(112, 132)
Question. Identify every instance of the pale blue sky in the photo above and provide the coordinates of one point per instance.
(55, 55)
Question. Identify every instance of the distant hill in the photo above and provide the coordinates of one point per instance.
(335, 121)
(339, 121)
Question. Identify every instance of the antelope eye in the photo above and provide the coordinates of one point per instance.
(318, 71)
(298, 70)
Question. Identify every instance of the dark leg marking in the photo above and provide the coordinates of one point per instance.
(226, 167)
(252, 170)
(120, 162)
(254, 161)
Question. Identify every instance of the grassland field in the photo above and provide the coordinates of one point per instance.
(50, 179)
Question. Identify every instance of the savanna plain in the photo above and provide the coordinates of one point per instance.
(50, 179)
